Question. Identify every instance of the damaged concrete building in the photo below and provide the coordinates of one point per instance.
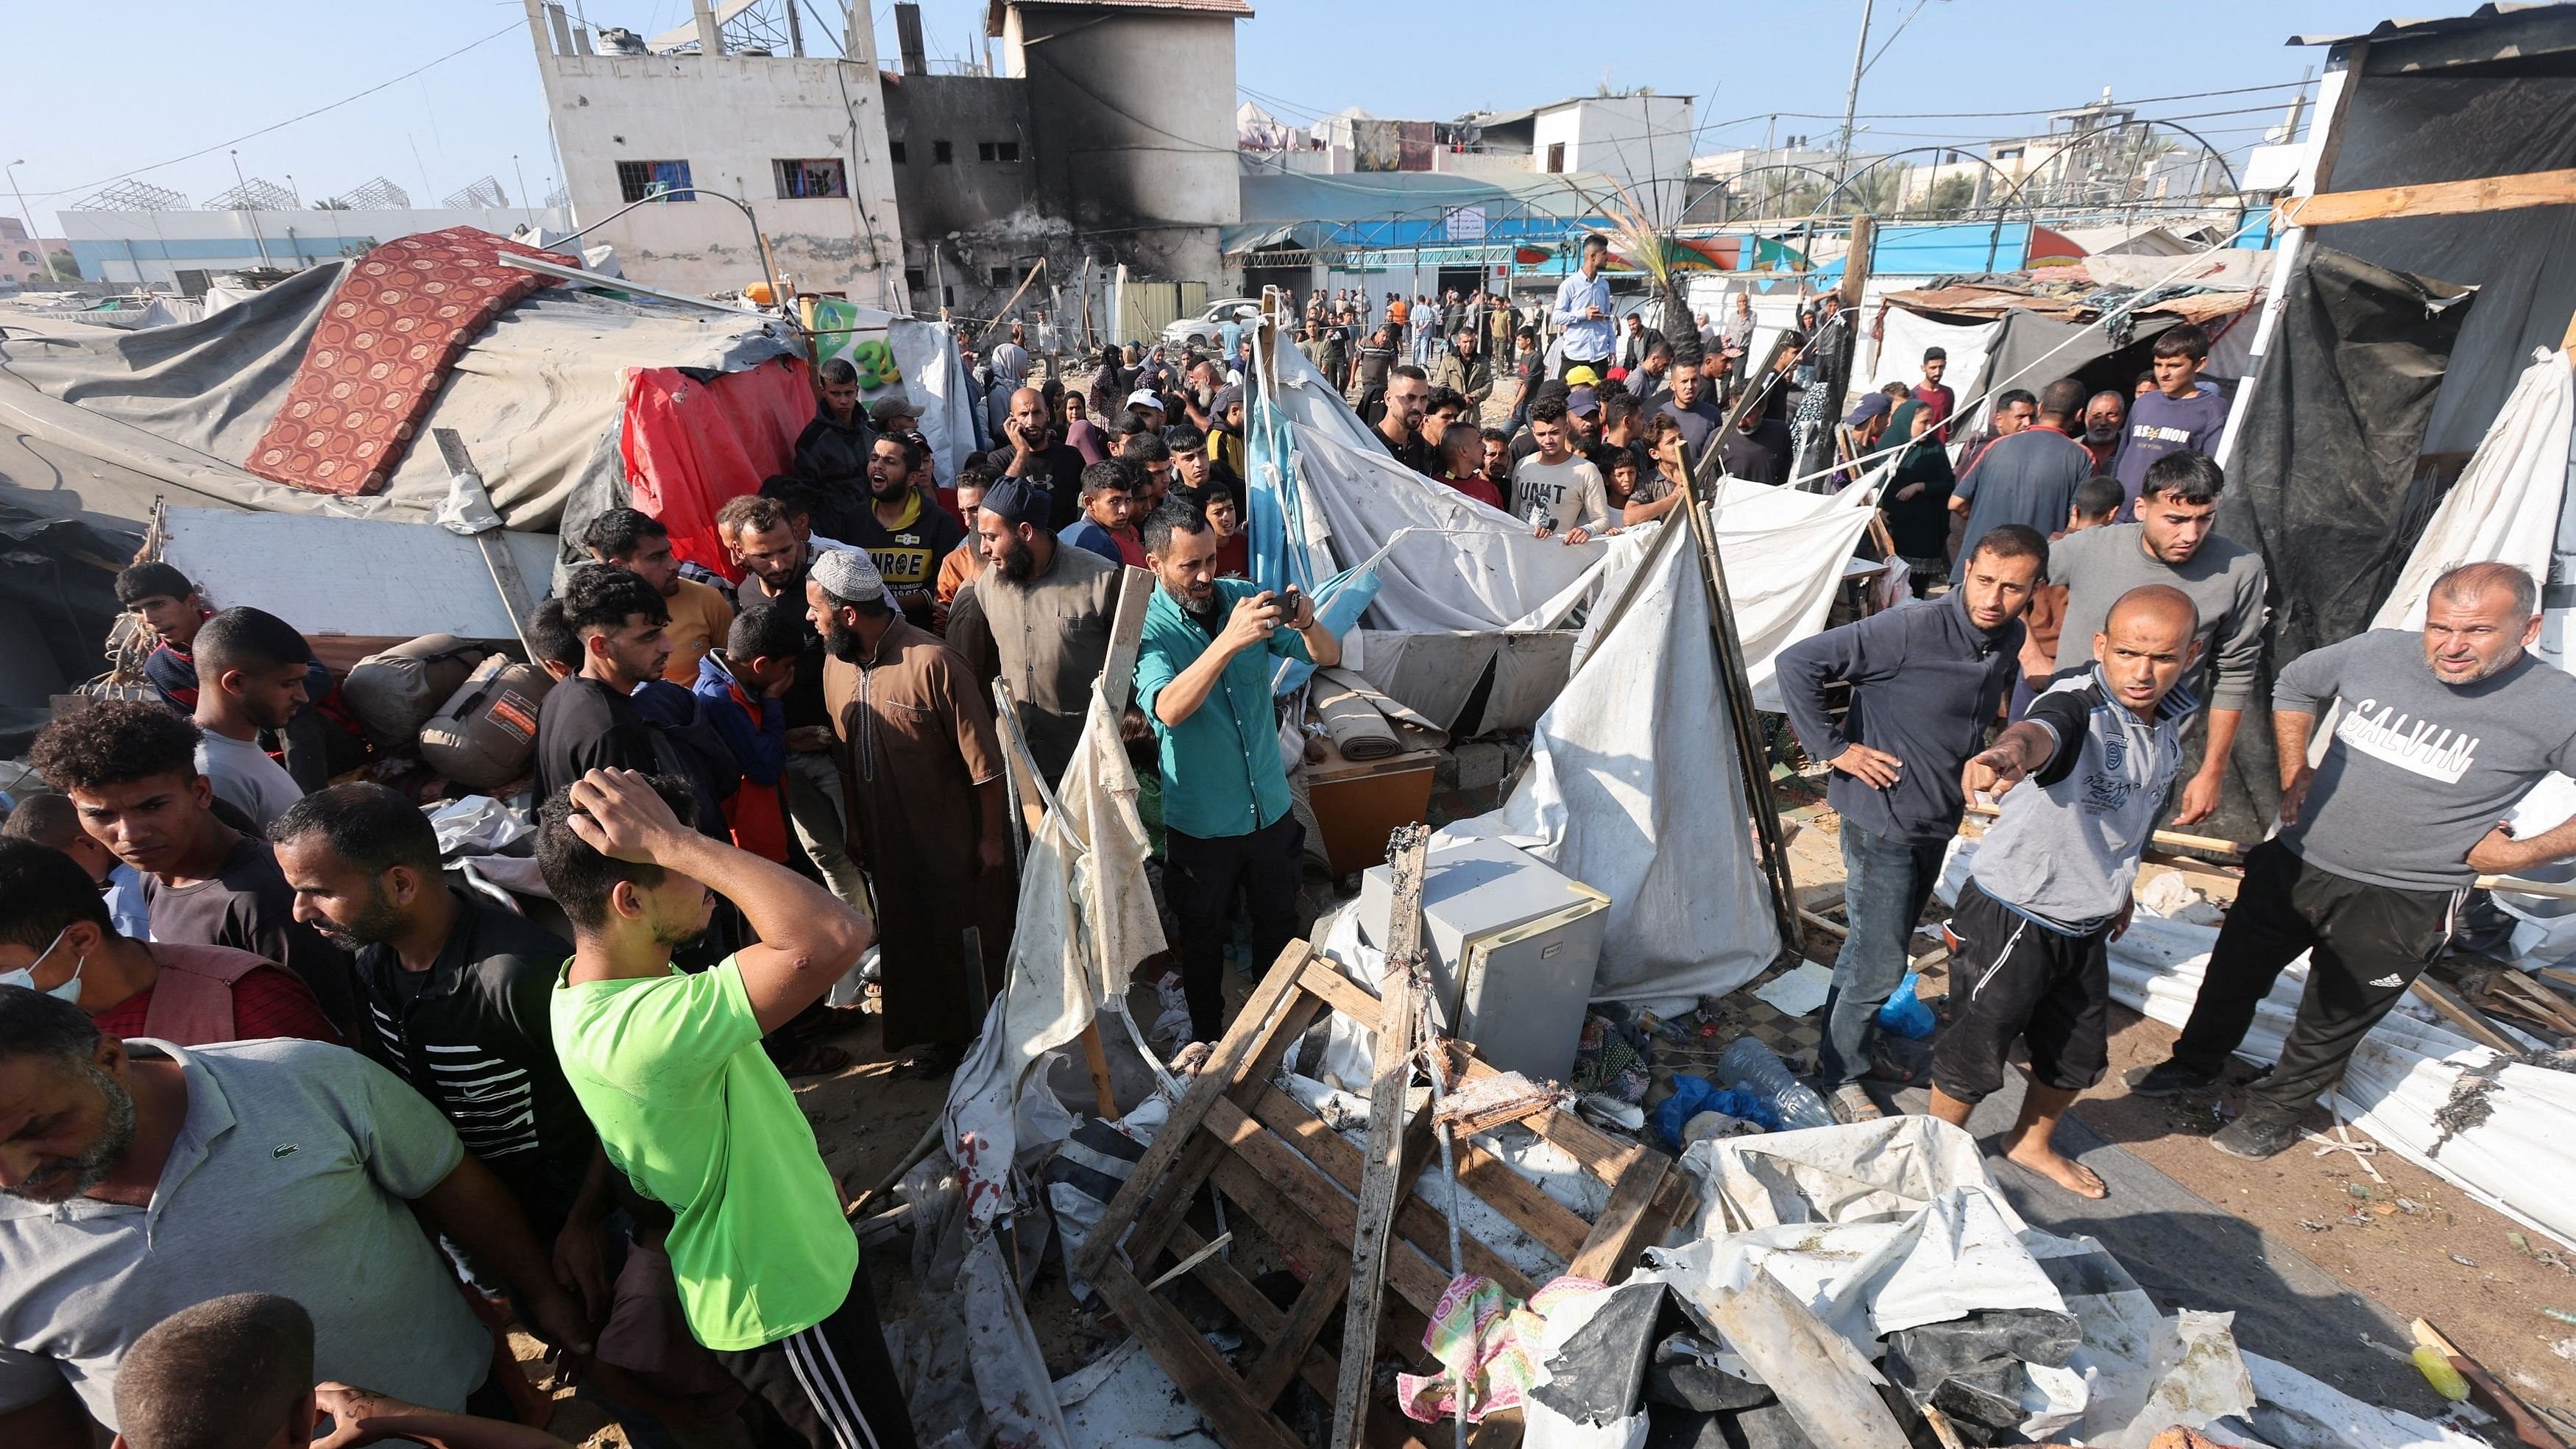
(1107, 135)
(685, 131)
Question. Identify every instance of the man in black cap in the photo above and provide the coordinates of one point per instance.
(1041, 622)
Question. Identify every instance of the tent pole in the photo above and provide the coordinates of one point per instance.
(1752, 760)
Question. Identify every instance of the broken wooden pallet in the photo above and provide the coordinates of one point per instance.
(1280, 1168)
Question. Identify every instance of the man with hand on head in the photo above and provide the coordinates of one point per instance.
(2441, 731)
(670, 1069)
(139, 1183)
(922, 771)
(1925, 681)
(1203, 680)
(2081, 781)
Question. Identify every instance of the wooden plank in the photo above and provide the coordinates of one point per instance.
(1616, 1233)
(2435, 198)
(1555, 1226)
(498, 559)
(1252, 1029)
(1168, 1208)
(1286, 1351)
(1201, 1374)
(1300, 1185)
(2462, 1015)
(1382, 1181)
(1126, 636)
(1422, 1225)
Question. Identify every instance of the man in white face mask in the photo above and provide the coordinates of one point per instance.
(56, 937)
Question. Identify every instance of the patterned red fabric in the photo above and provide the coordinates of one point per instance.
(399, 319)
(689, 445)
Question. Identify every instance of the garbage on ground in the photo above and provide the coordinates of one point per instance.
(1904, 1012)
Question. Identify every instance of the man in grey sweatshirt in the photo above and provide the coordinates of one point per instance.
(2175, 542)
(2379, 843)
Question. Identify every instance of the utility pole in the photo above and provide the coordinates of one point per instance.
(1851, 98)
(250, 211)
(32, 229)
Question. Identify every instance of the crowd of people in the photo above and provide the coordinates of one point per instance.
(284, 1106)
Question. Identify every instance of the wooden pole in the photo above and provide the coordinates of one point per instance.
(1382, 1179)
(498, 560)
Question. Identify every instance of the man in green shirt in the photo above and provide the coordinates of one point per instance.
(1203, 679)
(687, 1105)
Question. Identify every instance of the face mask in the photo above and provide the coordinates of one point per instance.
(26, 975)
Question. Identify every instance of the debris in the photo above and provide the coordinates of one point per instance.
(2559, 1314)
(2463, 1262)
(2313, 1226)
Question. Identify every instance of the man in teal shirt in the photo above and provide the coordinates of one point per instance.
(1203, 679)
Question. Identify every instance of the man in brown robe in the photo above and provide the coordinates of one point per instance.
(922, 772)
(1042, 624)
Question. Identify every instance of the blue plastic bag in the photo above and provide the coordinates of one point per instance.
(1693, 1095)
(1905, 1014)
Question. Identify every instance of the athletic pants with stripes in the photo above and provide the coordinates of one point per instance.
(830, 1386)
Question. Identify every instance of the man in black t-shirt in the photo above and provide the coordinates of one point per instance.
(1037, 454)
(903, 533)
(588, 722)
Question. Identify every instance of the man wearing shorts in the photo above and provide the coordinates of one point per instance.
(2050, 885)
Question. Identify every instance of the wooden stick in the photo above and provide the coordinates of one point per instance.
(2440, 198)
(1832, 928)
(2491, 1395)
(2464, 1016)
(1382, 1180)
(911, 1160)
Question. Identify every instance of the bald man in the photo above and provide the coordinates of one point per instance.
(2081, 780)
(1041, 457)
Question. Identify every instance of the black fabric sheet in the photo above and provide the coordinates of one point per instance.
(2323, 481)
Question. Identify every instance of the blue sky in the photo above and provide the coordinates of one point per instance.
(200, 74)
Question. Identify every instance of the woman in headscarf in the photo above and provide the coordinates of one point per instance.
(1111, 384)
(1915, 497)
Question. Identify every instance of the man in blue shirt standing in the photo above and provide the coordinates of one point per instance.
(1582, 313)
(1203, 680)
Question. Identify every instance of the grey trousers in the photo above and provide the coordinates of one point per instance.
(813, 785)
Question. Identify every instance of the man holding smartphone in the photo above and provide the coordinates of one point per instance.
(1203, 680)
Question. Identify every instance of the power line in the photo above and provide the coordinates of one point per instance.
(289, 121)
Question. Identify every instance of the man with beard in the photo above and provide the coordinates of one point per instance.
(922, 770)
(832, 452)
(139, 1185)
(1040, 457)
(588, 722)
(130, 769)
(641, 544)
(458, 990)
(2103, 414)
(1203, 680)
(56, 937)
(775, 562)
(2441, 731)
(903, 533)
(1408, 393)
(1043, 621)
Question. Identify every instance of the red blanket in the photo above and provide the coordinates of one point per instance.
(397, 323)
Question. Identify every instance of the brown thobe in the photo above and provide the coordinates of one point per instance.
(1046, 638)
(916, 748)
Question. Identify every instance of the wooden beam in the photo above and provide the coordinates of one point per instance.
(1382, 1178)
(2462, 1015)
(2436, 198)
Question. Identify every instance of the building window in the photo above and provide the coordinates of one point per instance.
(942, 154)
(2008, 153)
(916, 280)
(1003, 151)
(1555, 157)
(948, 296)
(655, 181)
(26, 256)
(894, 151)
(1003, 276)
(811, 178)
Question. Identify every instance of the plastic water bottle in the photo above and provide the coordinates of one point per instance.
(1751, 1065)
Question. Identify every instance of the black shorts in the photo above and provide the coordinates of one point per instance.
(2013, 977)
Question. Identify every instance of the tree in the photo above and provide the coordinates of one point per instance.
(1951, 196)
(65, 267)
(331, 203)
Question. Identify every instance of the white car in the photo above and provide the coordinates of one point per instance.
(1203, 330)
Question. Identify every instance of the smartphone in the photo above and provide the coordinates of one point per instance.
(1290, 602)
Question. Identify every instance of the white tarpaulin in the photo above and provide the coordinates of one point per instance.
(2505, 505)
(2503, 1131)
(1632, 788)
(1896, 355)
